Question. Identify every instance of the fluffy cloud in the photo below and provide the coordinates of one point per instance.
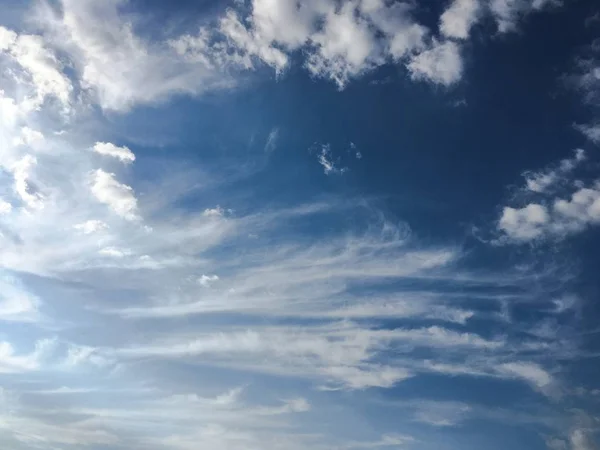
(22, 173)
(90, 226)
(5, 207)
(547, 179)
(362, 307)
(507, 13)
(207, 280)
(121, 153)
(119, 197)
(440, 63)
(40, 64)
(524, 224)
(459, 17)
(16, 303)
(562, 218)
(565, 206)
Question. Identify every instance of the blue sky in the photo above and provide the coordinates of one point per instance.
(280, 225)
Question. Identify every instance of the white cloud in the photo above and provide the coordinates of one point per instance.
(249, 45)
(123, 154)
(272, 138)
(530, 372)
(524, 224)
(507, 13)
(592, 132)
(115, 65)
(40, 64)
(441, 414)
(5, 207)
(28, 362)
(562, 218)
(22, 174)
(90, 226)
(547, 179)
(326, 160)
(214, 212)
(29, 137)
(16, 303)
(459, 17)
(207, 280)
(119, 197)
(440, 63)
(556, 214)
(582, 439)
(114, 252)
(345, 47)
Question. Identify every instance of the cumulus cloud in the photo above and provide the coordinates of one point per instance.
(507, 13)
(118, 197)
(348, 309)
(121, 153)
(562, 218)
(115, 65)
(90, 226)
(457, 20)
(39, 64)
(564, 205)
(547, 179)
(207, 280)
(29, 137)
(524, 224)
(440, 63)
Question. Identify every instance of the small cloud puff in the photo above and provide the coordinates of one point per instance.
(207, 280)
(90, 226)
(124, 154)
(118, 197)
(326, 160)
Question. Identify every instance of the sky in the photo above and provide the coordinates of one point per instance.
(292, 224)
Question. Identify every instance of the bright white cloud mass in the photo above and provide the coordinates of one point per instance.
(195, 254)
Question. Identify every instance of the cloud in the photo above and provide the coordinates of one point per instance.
(507, 13)
(441, 414)
(16, 303)
(524, 224)
(326, 160)
(440, 63)
(40, 64)
(28, 362)
(121, 153)
(22, 173)
(148, 357)
(115, 65)
(90, 226)
(592, 132)
(5, 207)
(271, 143)
(581, 439)
(564, 205)
(118, 197)
(457, 20)
(548, 179)
(207, 280)
(562, 218)
(29, 137)
(530, 372)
